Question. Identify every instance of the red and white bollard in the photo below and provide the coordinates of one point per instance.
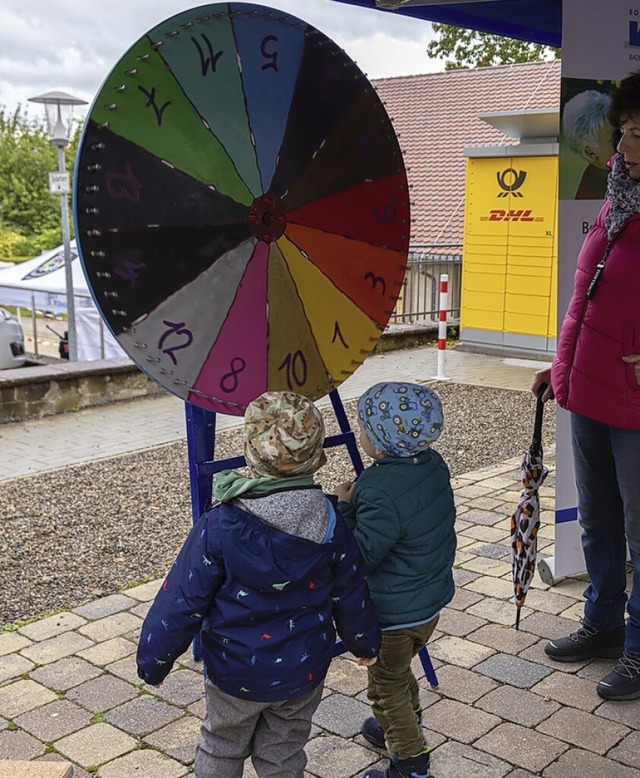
(442, 325)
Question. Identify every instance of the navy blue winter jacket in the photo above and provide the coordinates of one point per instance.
(266, 602)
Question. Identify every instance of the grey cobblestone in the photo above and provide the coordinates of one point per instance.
(496, 611)
(341, 715)
(512, 670)
(521, 747)
(65, 673)
(628, 750)
(629, 715)
(462, 723)
(463, 598)
(503, 638)
(182, 687)
(518, 705)
(12, 641)
(105, 606)
(143, 764)
(346, 677)
(579, 764)
(102, 693)
(55, 720)
(126, 669)
(569, 690)
(583, 730)
(463, 685)
(111, 626)
(21, 696)
(457, 623)
(108, 651)
(51, 626)
(332, 757)
(95, 744)
(20, 746)
(178, 739)
(56, 648)
(12, 666)
(457, 759)
(458, 651)
(143, 715)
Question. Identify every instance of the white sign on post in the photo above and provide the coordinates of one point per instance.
(59, 183)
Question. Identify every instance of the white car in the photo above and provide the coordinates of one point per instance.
(11, 341)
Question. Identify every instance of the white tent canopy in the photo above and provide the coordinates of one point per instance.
(40, 284)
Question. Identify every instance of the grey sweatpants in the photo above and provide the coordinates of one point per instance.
(274, 734)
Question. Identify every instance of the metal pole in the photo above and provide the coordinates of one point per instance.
(101, 326)
(68, 275)
(442, 325)
(34, 326)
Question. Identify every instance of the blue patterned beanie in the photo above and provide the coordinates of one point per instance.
(401, 419)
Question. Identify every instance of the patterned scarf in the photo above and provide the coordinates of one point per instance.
(624, 195)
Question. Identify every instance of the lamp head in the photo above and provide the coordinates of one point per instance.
(59, 114)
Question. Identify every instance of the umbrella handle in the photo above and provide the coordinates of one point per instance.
(536, 443)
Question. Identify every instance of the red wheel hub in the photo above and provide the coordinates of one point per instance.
(267, 218)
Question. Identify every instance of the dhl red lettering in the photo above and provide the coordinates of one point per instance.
(497, 215)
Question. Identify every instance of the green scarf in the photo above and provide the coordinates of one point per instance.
(229, 484)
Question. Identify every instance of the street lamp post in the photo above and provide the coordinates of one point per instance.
(59, 115)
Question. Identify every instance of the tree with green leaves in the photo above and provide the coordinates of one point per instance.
(464, 48)
(29, 213)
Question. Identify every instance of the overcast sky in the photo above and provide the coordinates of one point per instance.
(72, 45)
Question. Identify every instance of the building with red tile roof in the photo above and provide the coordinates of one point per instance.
(436, 116)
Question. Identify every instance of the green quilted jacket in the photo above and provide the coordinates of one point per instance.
(402, 515)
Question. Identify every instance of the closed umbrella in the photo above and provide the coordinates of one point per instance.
(525, 520)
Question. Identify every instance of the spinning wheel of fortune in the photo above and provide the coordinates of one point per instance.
(241, 207)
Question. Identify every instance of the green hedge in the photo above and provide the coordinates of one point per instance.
(15, 247)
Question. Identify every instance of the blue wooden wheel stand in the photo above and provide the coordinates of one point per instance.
(201, 432)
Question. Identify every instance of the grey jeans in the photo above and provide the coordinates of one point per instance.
(273, 734)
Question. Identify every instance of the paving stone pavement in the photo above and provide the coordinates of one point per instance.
(69, 691)
(503, 709)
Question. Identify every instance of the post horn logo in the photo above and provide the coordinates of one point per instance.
(510, 181)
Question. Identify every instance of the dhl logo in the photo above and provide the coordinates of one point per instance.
(500, 215)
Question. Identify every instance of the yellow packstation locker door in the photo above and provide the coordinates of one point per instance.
(509, 253)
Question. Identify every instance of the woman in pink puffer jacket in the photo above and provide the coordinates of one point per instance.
(596, 376)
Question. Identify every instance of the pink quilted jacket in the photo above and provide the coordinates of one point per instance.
(588, 375)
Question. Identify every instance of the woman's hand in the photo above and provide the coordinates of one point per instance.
(344, 491)
(634, 359)
(544, 377)
(367, 662)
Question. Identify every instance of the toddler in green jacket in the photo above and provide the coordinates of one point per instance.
(402, 513)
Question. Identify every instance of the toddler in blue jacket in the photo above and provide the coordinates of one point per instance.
(402, 513)
(266, 576)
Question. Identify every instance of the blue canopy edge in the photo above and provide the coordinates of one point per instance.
(538, 21)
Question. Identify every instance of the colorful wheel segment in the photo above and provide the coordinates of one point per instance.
(241, 207)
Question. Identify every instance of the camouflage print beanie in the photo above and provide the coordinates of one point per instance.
(400, 419)
(283, 435)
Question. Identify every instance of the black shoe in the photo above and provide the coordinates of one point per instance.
(372, 731)
(623, 682)
(586, 643)
(414, 767)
